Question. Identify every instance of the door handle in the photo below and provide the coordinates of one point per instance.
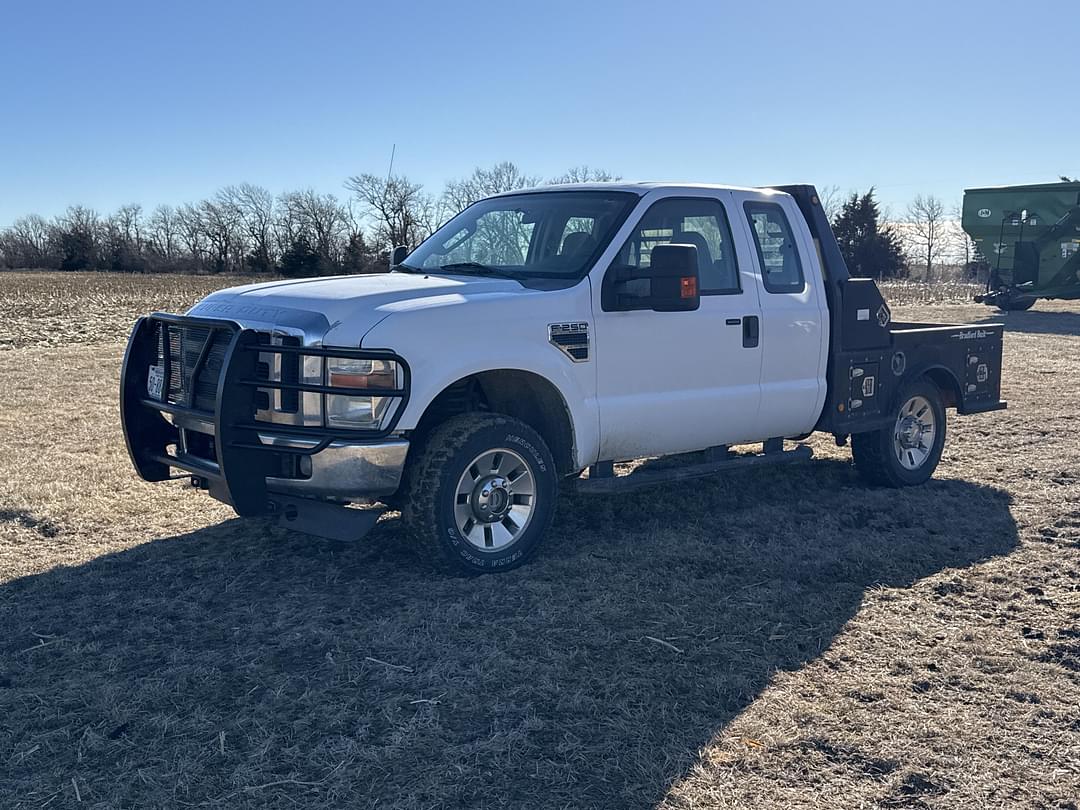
(750, 331)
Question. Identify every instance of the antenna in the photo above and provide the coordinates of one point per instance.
(390, 171)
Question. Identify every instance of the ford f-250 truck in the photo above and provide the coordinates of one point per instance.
(536, 336)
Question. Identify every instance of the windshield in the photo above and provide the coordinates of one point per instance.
(543, 234)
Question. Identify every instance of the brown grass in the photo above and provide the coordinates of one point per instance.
(908, 293)
(57, 309)
(776, 638)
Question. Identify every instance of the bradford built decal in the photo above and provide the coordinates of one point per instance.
(972, 334)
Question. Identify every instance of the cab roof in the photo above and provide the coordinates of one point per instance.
(639, 188)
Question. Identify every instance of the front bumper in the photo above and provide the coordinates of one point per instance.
(351, 472)
(257, 467)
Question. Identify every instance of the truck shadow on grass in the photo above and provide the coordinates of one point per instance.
(1034, 322)
(246, 666)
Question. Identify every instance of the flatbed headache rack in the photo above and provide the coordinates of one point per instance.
(870, 355)
(241, 463)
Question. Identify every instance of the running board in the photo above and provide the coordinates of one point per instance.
(613, 484)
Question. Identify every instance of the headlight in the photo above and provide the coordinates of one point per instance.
(348, 373)
(356, 411)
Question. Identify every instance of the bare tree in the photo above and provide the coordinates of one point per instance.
(220, 222)
(403, 213)
(128, 221)
(319, 218)
(189, 226)
(164, 231)
(254, 206)
(831, 201)
(925, 231)
(960, 244)
(29, 242)
(584, 174)
(506, 176)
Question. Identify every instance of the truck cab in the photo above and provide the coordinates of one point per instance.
(538, 335)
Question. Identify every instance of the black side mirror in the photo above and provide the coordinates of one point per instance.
(674, 273)
(398, 256)
(668, 284)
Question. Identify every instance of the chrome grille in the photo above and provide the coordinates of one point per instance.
(178, 351)
(185, 345)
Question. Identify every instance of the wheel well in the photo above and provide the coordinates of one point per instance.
(947, 384)
(520, 394)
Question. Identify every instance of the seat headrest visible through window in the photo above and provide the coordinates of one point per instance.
(704, 255)
(576, 243)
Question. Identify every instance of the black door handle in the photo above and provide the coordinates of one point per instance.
(750, 331)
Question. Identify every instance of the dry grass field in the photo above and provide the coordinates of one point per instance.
(773, 638)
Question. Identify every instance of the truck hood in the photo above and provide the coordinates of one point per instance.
(318, 305)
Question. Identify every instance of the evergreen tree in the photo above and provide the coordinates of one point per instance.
(358, 257)
(300, 259)
(870, 248)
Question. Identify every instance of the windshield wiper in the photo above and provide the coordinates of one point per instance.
(475, 267)
(405, 268)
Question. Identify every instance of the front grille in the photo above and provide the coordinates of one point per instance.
(184, 345)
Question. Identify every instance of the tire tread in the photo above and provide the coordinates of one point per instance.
(872, 451)
(421, 487)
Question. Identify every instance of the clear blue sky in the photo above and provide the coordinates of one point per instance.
(105, 103)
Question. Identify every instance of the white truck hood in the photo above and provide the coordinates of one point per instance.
(354, 303)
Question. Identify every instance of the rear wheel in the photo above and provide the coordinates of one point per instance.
(481, 494)
(908, 452)
(1017, 304)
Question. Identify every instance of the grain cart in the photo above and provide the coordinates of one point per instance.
(1030, 238)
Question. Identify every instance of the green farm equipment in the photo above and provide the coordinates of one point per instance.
(1029, 237)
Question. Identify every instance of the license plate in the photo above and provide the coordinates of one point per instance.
(155, 382)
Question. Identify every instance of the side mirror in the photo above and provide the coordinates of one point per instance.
(668, 284)
(673, 270)
(398, 255)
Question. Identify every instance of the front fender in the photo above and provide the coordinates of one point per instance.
(442, 349)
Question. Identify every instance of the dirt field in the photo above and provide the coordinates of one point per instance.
(774, 638)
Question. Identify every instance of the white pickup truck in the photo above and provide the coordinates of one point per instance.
(538, 335)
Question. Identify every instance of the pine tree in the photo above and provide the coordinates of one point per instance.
(300, 259)
(870, 249)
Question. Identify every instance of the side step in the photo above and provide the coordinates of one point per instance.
(613, 484)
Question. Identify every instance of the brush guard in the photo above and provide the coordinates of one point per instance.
(238, 475)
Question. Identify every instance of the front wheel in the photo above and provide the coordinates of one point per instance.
(908, 452)
(481, 494)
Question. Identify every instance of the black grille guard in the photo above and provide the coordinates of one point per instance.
(244, 462)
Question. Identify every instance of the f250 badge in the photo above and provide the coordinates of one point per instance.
(572, 339)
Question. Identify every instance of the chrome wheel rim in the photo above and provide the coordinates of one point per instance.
(913, 436)
(494, 500)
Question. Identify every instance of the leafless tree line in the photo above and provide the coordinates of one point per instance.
(247, 229)
(934, 243)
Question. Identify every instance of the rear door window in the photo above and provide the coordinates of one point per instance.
(781, 267)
